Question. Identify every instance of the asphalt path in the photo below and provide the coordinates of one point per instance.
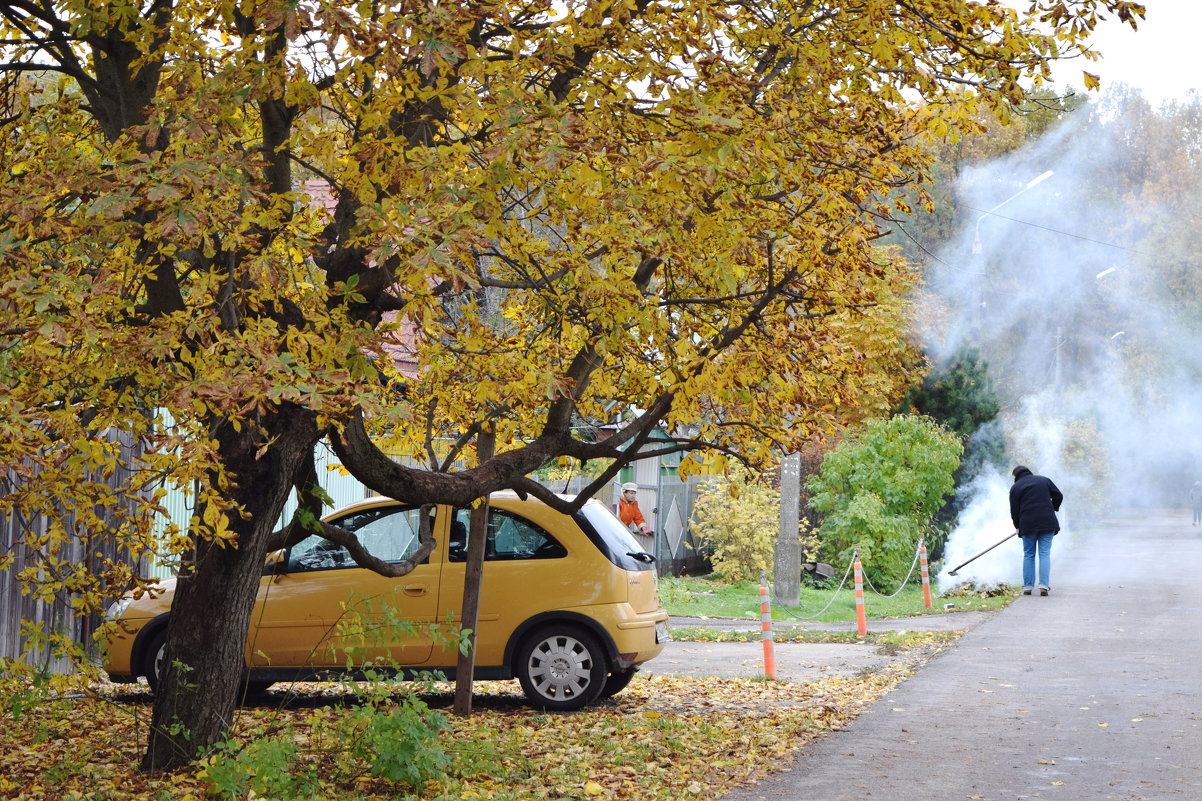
(1089, 694)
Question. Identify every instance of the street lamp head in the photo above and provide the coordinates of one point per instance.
(1037, 179)
(1043, 176)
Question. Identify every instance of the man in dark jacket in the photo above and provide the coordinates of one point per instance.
(1034, 501)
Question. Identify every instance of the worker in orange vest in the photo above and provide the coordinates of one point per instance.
(628, 510)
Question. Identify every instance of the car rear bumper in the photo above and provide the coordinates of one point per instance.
(640, 637)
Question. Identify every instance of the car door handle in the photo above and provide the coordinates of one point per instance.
(415, 589)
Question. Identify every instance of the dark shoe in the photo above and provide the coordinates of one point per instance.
(1044, 590)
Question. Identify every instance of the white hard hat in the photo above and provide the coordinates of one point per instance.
(630, 486)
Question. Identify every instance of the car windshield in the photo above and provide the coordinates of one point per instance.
(612, 538)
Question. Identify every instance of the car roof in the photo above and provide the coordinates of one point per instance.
(499, 495)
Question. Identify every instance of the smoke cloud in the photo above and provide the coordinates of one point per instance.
(1075, 287)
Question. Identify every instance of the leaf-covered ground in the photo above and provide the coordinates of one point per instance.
(661, 738)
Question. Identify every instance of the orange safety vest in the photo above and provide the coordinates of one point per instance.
(629, 513)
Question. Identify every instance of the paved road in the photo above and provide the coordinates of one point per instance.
(1090, 694)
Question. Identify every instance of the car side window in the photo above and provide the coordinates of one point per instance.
(510, 538)
(389, 533)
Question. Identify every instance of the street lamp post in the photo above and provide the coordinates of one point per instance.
(976, 239)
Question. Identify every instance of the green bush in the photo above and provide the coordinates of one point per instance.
(878, 492)
(266, 767)
(400, 743)
(959, 395)
(393, 735)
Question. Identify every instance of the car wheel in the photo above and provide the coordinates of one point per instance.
(155, 660)
(617, 682)
(561, 667)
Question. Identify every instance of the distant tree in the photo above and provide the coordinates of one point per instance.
(1046, 108)
(960, 397)
(879, 490)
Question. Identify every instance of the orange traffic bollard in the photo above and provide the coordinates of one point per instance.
(766, 627)
(926, 575)
(861, 618)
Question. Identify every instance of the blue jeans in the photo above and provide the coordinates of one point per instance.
(1043, 544)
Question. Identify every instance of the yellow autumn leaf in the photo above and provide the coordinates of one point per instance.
(592, 788)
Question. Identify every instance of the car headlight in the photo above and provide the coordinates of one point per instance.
(117, 608)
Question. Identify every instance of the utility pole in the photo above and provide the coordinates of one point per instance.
(1056, 371)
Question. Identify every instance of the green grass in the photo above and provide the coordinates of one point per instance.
(889, 640)
(712, 597)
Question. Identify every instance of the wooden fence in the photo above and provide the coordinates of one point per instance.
(21, 614)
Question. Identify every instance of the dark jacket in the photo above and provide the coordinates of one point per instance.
(1034, 501)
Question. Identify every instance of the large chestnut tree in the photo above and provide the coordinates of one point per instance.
(222, 224)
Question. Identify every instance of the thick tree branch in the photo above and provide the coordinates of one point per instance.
(372, 466)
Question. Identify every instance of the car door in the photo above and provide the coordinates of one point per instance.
(523, 576)
(320, 607)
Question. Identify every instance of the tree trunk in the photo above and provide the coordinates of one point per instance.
(194, 703)
(210, 613)
(472, 579)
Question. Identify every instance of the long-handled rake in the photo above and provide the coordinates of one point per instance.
(952, 572)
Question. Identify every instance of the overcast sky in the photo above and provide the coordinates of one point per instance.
(1160, 58)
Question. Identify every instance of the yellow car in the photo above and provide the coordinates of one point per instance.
(568, 604)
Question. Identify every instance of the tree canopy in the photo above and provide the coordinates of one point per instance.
(221, 223)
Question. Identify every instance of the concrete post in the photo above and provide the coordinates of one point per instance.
(786, 584)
